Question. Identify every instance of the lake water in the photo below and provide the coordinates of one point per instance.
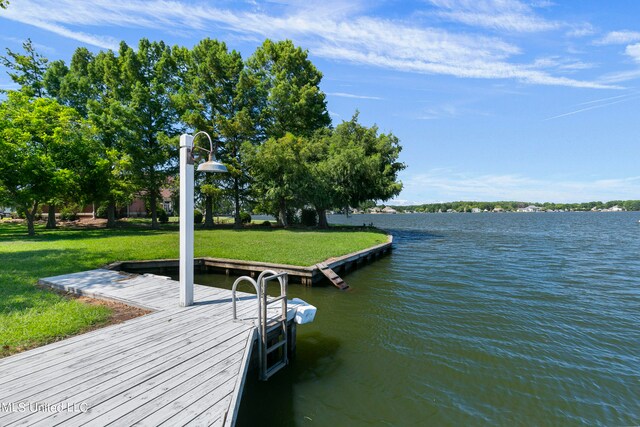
(477, 319)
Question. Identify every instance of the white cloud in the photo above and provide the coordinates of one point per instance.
(351, 95)
(441, 184)
(509, 15)
(581, 30)
(328, 31)
(619, 76)
(633, 50)
(619, 37)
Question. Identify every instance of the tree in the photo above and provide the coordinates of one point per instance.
(26, 69)
(282, 87)
(318, 187)
(363, 164)
(278, 172)
(147, 81)
(44, 146)
(206, 100)
(4, 4)
(29, 71)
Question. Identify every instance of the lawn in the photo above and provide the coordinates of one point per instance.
(30, 316)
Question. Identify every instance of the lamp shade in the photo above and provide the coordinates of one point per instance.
(212, 166)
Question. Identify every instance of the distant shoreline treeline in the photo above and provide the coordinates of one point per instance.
(507, 206)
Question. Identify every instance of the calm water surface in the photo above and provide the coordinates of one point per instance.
(477, 319)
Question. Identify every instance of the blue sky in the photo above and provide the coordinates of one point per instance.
(491, 99)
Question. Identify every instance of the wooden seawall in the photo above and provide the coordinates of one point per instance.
(177, 365)
(307, 275)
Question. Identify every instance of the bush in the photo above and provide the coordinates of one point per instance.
(101, 212)
(197, 216)
(266, 223)
(162, 216)
(68, 214)
(309, 217)
(245, 217)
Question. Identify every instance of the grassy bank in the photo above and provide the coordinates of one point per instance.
(30, 316)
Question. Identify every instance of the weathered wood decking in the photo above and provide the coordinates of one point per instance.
(175, 366)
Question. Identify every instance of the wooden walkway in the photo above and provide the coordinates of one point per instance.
(175, 366)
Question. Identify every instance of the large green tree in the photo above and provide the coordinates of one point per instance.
(278, 172)
(207, 101)
(363, 164)
(282, 88)
(147, 80)
(45, 152)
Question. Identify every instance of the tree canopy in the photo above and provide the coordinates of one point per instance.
(104, 129)
(44, 146)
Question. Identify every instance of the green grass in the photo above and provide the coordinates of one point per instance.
(30, 316)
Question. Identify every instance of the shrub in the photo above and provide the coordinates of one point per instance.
(163, 217)
(245, 217)
(309, 217)
(266, 223)
(101, 212)
(68, 214)
(197, 216)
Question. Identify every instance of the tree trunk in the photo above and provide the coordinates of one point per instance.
(30, 215)
(282, 212)
(346, 211)
(208, 212)
(111, 214)
(51, 217)
(153, 201)
(93, 210)
(237, 222)
(322, 218)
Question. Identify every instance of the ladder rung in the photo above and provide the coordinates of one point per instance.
(275, 368)
(275, 326)
(273, 300)
(275, 347)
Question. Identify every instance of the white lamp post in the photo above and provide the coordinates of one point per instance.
(186, 209)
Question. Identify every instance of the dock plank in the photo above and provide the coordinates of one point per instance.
(176, 365)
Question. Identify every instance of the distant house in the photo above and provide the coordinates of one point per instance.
(530, 208)
(615, 208)
(476, 210)
(137, 207)
(375, 210)
(498, 209)
(389, 210)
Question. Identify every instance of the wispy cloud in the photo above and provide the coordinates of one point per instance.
(619, 37)
(509, 15)
(351, 95)
(581, 30)
(599, 103)
(444, 111)
(335, 32)
(443, 184)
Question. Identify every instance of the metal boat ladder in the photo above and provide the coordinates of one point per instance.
(273, 345)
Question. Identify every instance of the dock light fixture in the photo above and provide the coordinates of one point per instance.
(186, 208)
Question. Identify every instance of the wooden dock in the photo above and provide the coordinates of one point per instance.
(177, 365)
